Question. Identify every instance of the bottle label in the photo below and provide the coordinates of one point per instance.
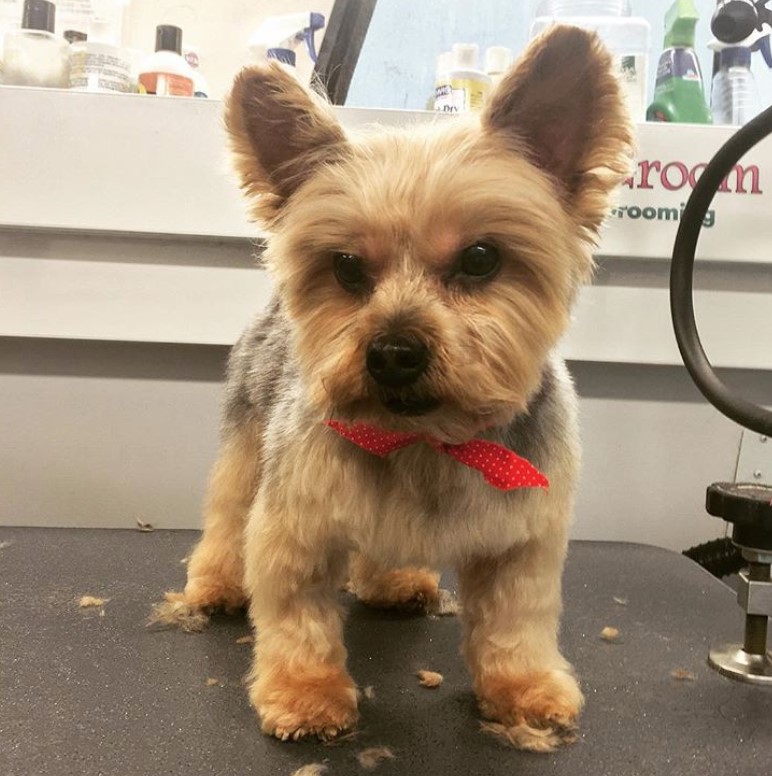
(632, 70)
(166, 84)
(99, 72)
(678, 63)
(459, 95)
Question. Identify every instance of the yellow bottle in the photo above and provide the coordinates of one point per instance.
(464, 87)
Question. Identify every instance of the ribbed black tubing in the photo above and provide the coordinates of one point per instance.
(745, 413)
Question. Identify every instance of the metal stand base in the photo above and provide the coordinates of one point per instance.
(733, 661)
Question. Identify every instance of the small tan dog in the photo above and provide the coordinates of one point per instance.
(424, 277)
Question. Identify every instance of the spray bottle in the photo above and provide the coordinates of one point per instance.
(741, 28)
(278, 37)
(679, 94)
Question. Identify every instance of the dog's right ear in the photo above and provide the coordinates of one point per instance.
(279, 133)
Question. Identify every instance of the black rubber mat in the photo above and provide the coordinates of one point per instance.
(84, 695)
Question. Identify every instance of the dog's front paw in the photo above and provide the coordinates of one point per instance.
(536, 711)
(295, 705)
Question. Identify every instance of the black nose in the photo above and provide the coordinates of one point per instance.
(396, 360)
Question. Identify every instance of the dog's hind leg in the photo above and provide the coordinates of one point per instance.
(216, 566)
(409, 588)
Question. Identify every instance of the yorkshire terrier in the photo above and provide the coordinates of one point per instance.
(400, 407)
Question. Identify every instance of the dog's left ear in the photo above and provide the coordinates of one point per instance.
(564, 107)
(280, 132)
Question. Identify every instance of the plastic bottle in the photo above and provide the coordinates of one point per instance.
(466, 86)
(442, 87)
(33, 55)
(285, 33)
(498, 60)
(97, 64)
(627, 37)
(679, 94)
(75, 36)
(200, 85)
(735, 97)
(166, 72)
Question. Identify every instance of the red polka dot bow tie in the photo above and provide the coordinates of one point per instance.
(500, 467)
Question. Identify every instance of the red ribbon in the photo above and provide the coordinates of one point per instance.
(500, 467)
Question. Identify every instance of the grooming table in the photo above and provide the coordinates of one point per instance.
(86, 694)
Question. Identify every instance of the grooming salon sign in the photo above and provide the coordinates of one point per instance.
(650, 203)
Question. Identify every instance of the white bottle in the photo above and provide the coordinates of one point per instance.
(97, 64)
(200, 85)
(33, 55)
(627, 37)
(442, 87)
(734, 99)
(166, 72)
(498, 60)
(467, 86)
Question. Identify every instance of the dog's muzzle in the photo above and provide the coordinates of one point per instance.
(396, 360)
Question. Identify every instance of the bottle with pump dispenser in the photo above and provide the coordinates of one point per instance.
(33, 55)
(465, 87)
(166, 72)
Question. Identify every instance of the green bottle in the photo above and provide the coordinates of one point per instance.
(678, 94)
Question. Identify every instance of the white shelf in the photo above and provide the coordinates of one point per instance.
(155, 165)
(125, 163)
(79, 167)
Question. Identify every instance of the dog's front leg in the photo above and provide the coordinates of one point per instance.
(294, 568)
(511, 607)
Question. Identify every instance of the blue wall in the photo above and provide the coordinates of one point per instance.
(396, 67)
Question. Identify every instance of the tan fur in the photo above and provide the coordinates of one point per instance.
(216, 566)
(175, 612)
(297, 702)
(312, 769)
(406, 588)
(429, 679)
(372, 757)
(291, 501)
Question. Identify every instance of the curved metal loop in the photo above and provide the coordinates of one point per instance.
(745, 413)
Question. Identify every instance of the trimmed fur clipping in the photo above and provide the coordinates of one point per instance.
(312, 769)
(245, 639)
(446, 604)
(87, 601)
(530, 739)
(683, 675)
(609, 634)
(371, 758)
(430, 679)
(144, 527)
(3, 545)
(369, 692)
(174, 612)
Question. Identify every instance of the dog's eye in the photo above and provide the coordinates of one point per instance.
(350, 272)
(479, 261)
